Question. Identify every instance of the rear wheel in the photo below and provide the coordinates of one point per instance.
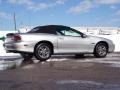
(101, 50)
(43, 51)
(26, 55)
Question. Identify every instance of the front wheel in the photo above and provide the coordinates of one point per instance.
(43, 51)
(101, 50)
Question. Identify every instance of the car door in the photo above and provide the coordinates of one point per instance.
(72, 41)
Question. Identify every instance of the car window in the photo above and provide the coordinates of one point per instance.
(69, 32)
(58, 33)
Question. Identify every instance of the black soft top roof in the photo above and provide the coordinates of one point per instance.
(56, 26)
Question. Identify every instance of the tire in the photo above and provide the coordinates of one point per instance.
(26, 55)
(43, 51)
(101, 50)
(79, 55)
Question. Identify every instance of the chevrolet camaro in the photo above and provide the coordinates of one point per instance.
(44, 41)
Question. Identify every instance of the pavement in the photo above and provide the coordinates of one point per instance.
(63, 73)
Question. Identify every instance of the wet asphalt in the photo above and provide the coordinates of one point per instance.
(62, 73)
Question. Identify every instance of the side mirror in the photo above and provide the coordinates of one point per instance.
(84, 36)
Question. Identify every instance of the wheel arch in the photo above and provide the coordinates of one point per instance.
(104, 43)
(45, 41)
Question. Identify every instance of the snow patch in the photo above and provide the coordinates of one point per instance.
(78, 82)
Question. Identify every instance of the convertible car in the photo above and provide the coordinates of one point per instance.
(44, 41)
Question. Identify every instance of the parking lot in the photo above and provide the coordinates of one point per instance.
(62, 73)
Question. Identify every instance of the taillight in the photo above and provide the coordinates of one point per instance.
(16, 37)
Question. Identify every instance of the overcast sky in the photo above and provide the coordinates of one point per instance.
(63, 12)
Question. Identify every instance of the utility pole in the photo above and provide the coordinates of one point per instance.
(15, 22)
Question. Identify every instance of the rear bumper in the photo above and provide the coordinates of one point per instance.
(18, 47)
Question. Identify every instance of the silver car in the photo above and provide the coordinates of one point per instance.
(44, 41)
